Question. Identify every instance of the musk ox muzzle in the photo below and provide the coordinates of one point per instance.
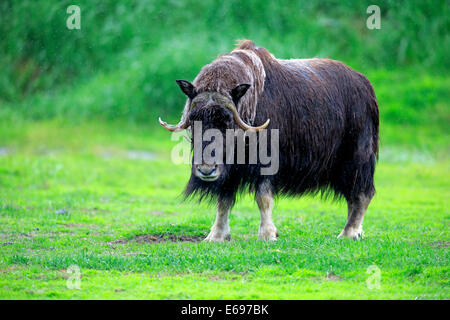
(207, 172)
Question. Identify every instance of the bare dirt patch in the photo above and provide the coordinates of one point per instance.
(333, 277)
(440, 244)
(149, 238)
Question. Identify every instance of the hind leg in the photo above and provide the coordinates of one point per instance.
(264, 198)
(358, 197)
(356, 184)
(356, 209)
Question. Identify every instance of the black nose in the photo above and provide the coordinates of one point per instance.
(206, 170)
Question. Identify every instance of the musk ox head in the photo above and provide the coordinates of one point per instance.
(209, 116)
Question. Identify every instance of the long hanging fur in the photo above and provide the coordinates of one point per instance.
(327, 116)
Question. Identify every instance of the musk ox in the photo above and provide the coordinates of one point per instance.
(327, 119)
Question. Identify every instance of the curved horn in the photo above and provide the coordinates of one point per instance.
(242, 124)
(180, 126)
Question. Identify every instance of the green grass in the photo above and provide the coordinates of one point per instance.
(107, 196)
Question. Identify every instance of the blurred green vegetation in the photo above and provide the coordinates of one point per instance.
(123, 62)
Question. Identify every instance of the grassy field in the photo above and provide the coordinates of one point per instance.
(86, 195)
(86, 177)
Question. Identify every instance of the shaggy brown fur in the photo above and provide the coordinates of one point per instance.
(326, 113)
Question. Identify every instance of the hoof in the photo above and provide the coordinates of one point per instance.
(268, 234)
(351, 234)
(217, 237)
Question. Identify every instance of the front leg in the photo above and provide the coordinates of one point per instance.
(264, 198)
(220, 231)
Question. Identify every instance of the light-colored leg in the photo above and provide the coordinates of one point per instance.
(356, 210)
(220, 231)
(264, 198)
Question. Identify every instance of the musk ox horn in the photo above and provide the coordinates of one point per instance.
(230, 106)
(180, 126)
(241, 122)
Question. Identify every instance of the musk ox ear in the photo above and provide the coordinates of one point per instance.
(238, 92)
(188, 88)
